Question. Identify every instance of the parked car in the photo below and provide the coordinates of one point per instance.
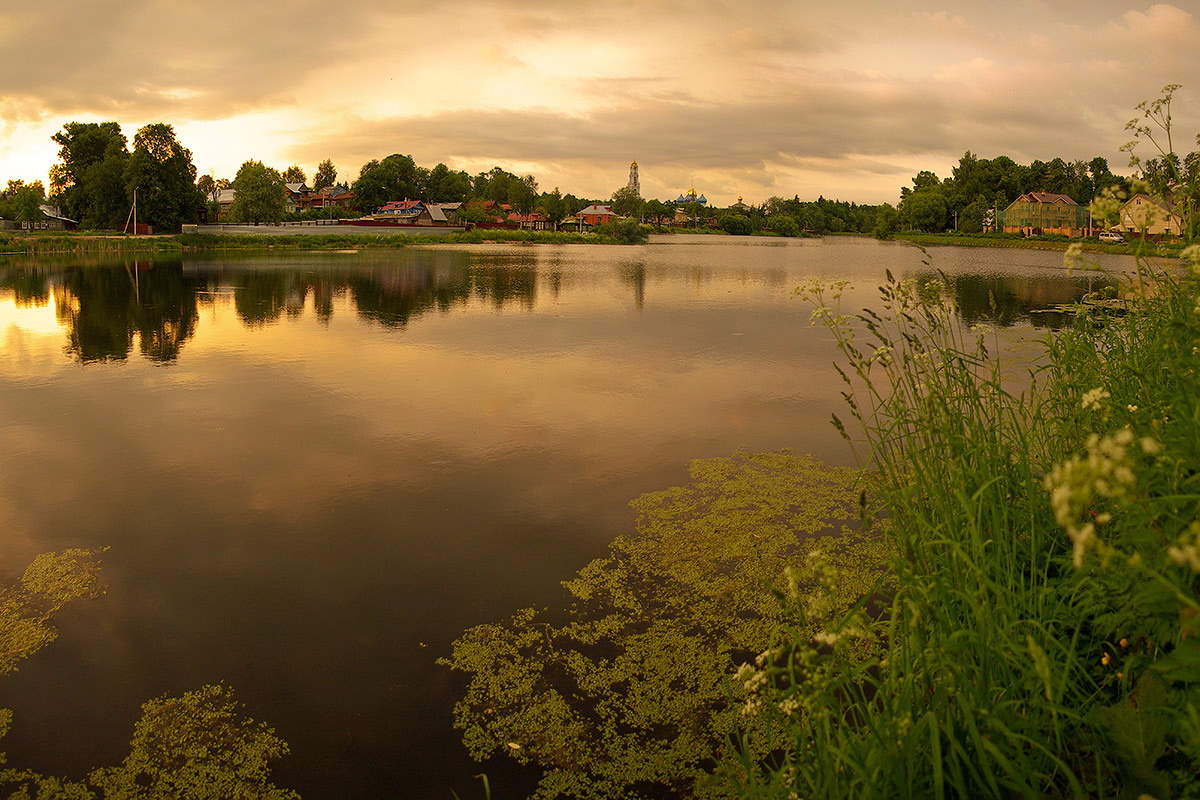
(1111, 236)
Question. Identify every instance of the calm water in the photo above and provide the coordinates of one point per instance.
(315, 470)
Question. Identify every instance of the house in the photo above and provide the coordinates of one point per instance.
(328, 197)
(596, 214)
(399, 210)
(224, 198)
(1035, 213)
(51, 220)
(296, 194)
(534, 221)
(1144, 214)
(449, 210)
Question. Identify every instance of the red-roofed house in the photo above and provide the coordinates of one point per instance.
(399, 210)
(595, 215)
(1035, 213)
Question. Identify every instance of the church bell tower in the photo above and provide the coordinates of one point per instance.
(634, 183)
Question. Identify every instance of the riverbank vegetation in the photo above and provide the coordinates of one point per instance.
(1044, 636)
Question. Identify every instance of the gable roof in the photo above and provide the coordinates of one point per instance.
(1047, 197)
(596, 210)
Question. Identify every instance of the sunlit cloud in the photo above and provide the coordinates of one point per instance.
(729, 93)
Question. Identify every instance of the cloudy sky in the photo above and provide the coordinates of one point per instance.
(843, 99)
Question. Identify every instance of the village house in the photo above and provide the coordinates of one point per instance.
(1144, 214)
(328, 197)
(51, 220)
(399, 210)
(296, 195)
(533, 221)
(596, 214)
(1035, 213)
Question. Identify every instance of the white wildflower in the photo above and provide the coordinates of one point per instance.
(1092, 397)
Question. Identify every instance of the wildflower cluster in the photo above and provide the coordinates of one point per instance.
(1077, 485)
(1187, 552)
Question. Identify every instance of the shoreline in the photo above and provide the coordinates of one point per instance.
(60, 243)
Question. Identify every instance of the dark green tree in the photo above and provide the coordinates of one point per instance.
(523, 194)
(88, 182)
(626, 202)
(393, 178)
(656, 211)
(259, 194)
(554, 207)
(736, 224)
(161, 171)
(886, 220)
(294, 174)
(924, 211)
(325, 176)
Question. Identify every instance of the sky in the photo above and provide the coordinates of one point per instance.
(846, 100)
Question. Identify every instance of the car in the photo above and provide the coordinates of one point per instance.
(1111, 236)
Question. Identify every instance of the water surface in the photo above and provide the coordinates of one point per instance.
(313, 471)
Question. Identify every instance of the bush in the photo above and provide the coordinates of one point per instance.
(624, 231)
(783, 225)
(736, 224)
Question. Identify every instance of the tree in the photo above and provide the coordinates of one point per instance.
(259, 194)
(522, 194)
(784, 225)
(626, 202)
(925, 211)
(736, 224)
(325, 176)
(22, 201)
(554, 207)
(394, 178)
(444, 186)
(162, 172)
(655, 211)
(88, 182)
(886, 220)
(294, 174)
(1175, 180)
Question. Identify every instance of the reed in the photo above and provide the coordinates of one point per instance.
(1044, 635)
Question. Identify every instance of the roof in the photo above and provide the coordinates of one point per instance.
(596, 210)
(1153, 201)
(297, 188)
(1047, 197)
(225, 196)
(436, 214)
(54, 213)
(400, 205)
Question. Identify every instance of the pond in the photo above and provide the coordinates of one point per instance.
(313, 471)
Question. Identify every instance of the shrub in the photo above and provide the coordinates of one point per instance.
(624, 231)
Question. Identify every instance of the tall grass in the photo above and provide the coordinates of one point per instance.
(1044, 637)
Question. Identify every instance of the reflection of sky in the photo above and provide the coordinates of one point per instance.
(30, 337)
(312, 510)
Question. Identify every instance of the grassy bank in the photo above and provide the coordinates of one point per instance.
(43, 243)
(84, 243)
(1044, 639)
(1050, 242)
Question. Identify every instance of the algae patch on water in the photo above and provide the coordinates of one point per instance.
(632, 694)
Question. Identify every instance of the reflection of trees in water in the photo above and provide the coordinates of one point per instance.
(1008, 299)
(394, 297)
(30, 288)
(102, 309)
(102, 306)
